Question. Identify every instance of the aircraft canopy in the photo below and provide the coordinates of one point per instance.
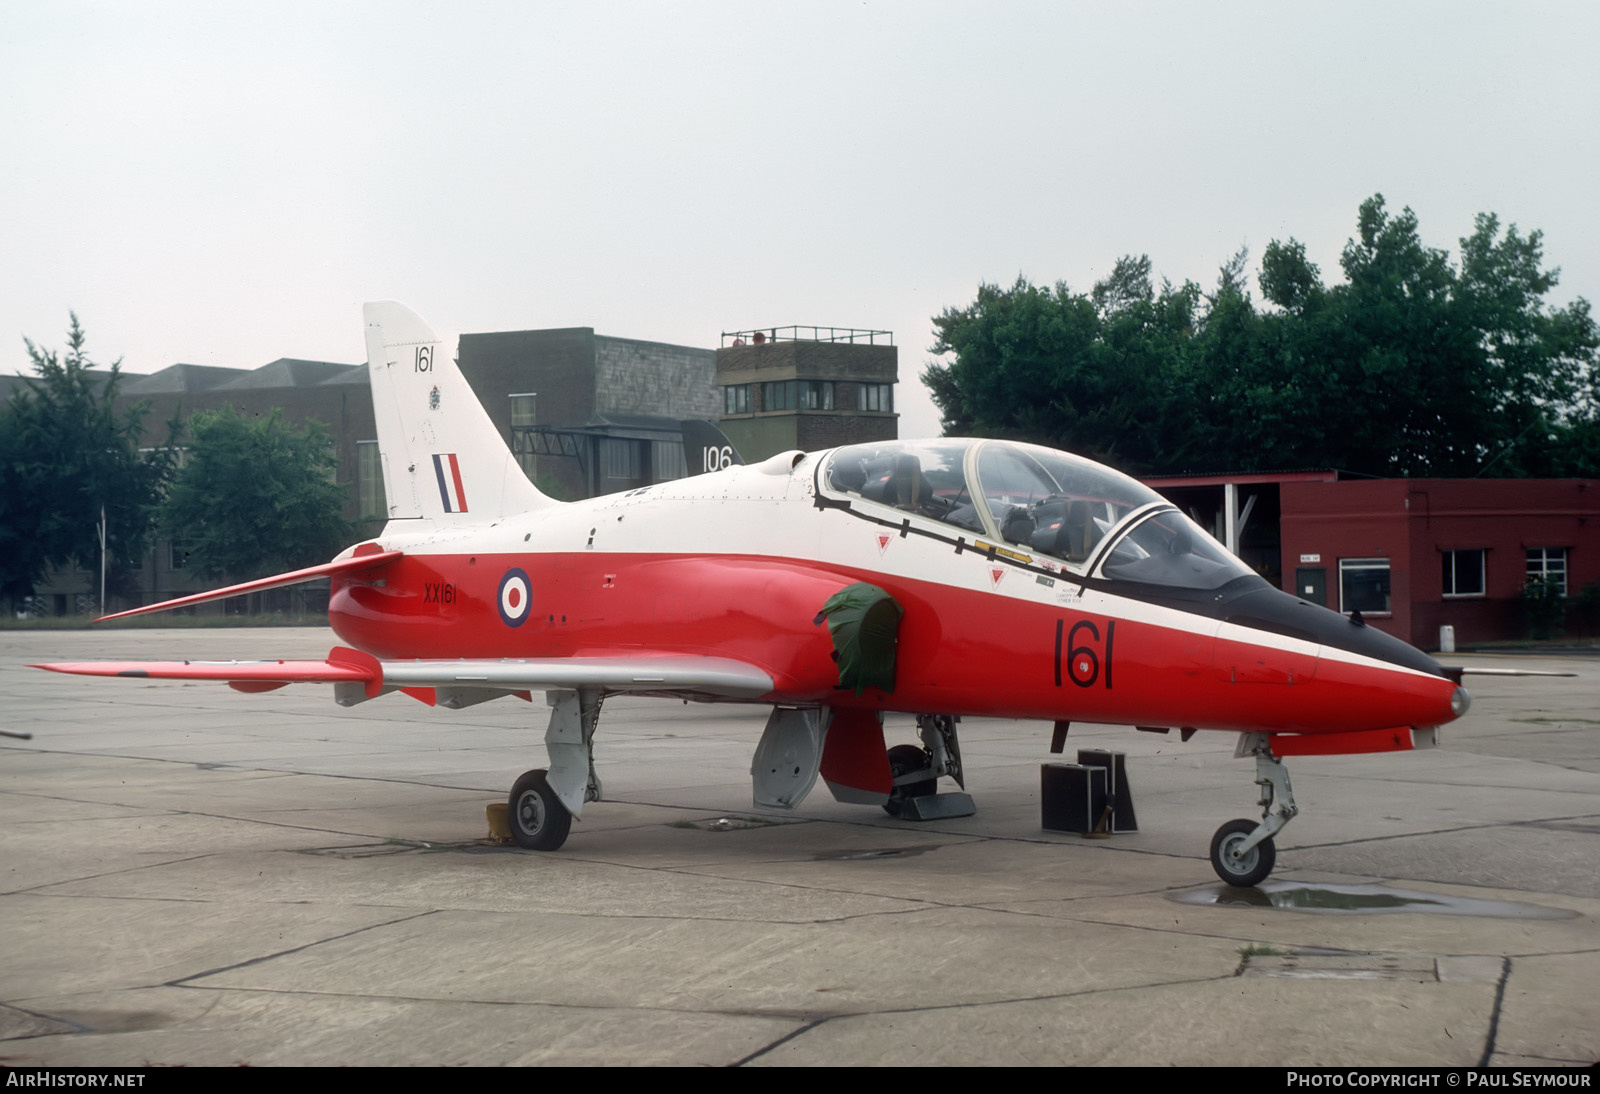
(1039, 499)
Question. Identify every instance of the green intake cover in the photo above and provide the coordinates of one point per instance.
(864, 622)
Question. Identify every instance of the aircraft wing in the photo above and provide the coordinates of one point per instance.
(720, 676)
(458, 682)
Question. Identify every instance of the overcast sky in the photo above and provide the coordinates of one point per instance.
(225, 184)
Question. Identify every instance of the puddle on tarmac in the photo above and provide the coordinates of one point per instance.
(1360, 900)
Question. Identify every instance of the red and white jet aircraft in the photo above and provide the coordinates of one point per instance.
(978, 577)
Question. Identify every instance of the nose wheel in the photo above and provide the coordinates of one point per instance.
(1241, 868)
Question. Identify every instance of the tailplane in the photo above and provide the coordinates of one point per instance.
(443, 459)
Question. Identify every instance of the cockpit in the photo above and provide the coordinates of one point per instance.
(1076, 512)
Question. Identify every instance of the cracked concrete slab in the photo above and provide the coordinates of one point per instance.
(57, 945)
(444, 879)
(209, 1028)
(853, 965)
(1233, 1021)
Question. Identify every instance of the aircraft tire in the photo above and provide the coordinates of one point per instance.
(1250, 870)
(538, 820)
(903, 758)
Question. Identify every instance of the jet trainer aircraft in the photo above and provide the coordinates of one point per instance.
(937, 578)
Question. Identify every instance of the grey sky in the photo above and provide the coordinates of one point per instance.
(225, 184)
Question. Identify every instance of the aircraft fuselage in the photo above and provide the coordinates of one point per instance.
(737, 564)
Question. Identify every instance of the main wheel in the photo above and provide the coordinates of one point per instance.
(1253, 867)
(537, 818)
(904, 759)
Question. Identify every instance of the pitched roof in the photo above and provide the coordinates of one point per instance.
(183, 378)
(292, 372)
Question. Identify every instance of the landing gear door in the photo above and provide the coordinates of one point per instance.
(787, 758)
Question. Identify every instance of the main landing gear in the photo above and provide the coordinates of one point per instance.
(916, 772)
(1242, 851)
(544, 801)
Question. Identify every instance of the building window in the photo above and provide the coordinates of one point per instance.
(1463, 572)
(875, 397)
(779, 395)
(177, 556)
(370, 501)
(525, 409)
(736, 399)
(622, 459)
(1549, 564)
(816, 395)
(667, 461)
(1363, 585)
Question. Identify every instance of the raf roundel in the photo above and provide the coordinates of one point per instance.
(513, 599)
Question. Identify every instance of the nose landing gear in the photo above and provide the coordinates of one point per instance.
(1242, 851)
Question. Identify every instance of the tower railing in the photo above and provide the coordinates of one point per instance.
(801, 333)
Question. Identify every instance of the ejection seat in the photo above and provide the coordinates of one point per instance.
(902, 484)
(1077, 535)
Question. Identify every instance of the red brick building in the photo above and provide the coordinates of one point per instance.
(1416, 554)
(1412, 555)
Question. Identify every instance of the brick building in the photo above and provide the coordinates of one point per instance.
(588, 414)
(807, 388)
(1412, 555)
(1417, 554)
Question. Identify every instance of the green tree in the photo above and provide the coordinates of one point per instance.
(1539, 360)
(1419, 398)
(66, 452)
(1413, 365)
(1419, 366)
(255, 497)
(1289, 279)
(1099, 373)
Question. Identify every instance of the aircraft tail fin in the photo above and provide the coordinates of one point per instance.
(443, 459)
(706, 448)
